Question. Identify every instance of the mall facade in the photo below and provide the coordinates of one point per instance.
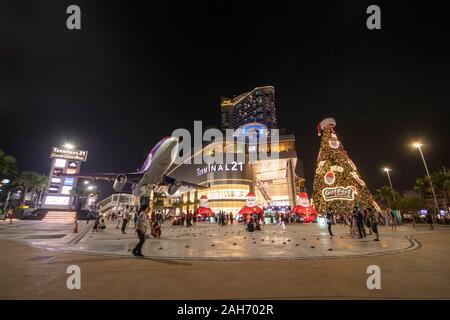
(275, 182)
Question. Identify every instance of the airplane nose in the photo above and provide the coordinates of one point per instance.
(172, 141)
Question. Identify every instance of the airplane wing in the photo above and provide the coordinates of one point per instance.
(166, 180)
(133, 177)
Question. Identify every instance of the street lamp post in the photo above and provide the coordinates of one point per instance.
(390, 182)
(419, 146)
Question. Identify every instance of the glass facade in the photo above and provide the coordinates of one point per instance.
(257, 105)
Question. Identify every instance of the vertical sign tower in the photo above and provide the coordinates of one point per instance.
(64, 161)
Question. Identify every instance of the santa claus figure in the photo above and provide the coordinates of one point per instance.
(251, 209)
(204, 210)
(304, 209)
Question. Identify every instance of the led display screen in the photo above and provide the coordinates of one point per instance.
(68, 181)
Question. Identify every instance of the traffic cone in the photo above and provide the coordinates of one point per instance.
(76, 227)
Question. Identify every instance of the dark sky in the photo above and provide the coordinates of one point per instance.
(139, 69)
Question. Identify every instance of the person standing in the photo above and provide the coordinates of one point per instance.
(413, 219)
(360, 223)
(141, 230)
(430, 220)
(374, 219)
(136, 213)
(393, 219)
(368, 220)
(119, 217)
(126, 218)
(330, 220)
(188, 218)
(11, 212)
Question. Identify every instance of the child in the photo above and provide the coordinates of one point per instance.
(156, 229)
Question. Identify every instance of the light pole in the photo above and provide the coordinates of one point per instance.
(390, 182)
(419, 146)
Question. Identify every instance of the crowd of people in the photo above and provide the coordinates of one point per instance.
(362, 222)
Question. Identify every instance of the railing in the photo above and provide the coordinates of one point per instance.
(115, 200)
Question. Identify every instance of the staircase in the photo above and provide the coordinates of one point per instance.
(60, 217)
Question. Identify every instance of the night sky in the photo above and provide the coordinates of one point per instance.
(134, 73)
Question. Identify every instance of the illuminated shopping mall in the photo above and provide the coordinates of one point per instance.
(275, 182)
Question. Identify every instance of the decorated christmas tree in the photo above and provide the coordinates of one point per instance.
(337, 183)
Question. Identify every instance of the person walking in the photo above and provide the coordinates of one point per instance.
(126, 218)
(141, 230)
(360, 223)
(330, 220)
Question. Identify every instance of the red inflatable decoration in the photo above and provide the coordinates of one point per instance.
(304, 210)
(204, 210)
(251, 208)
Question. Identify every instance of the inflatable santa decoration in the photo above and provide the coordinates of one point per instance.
(251, 207)
(304, 209)
(204, 210)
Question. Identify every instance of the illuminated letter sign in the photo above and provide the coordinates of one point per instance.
(234, 166)
(69, 154)
(339, 193)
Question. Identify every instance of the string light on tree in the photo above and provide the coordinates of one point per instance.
(337, 183)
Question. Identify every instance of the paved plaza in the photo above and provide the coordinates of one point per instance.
(210, 241)
(212, 262)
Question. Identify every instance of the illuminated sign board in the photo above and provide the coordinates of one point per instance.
(56, 180)
(57, 200)
(339, 193)
(66, 190)
(68, 154)
(68, 181)
(60, 163)
(234, 166)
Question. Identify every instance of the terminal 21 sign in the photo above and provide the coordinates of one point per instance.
(68, 154)
(233, 166)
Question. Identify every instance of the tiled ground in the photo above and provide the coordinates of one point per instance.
(210, 241)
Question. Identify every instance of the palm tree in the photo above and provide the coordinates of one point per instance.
(440, 180)
(30, 181)
(384, 194)
(422, 187)
(7, 164)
